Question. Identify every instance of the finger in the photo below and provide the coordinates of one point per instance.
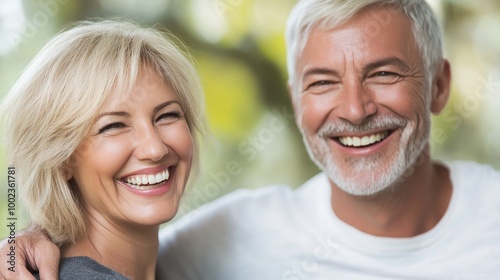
(48, 263)
(32, 249)
(21, 273)
(9, 269)
(43, 255)
(16, 270)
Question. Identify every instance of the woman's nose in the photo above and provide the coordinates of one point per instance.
(150, 145)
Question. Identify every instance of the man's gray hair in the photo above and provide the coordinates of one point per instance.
(327, 14)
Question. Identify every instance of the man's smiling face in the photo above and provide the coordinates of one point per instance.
(363, 102)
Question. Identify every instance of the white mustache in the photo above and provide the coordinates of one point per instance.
(371, 124)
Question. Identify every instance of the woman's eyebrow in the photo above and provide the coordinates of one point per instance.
(125, 114)
(163, 105)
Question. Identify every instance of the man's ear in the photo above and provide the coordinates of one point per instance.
(290, 94)
(294, 100)
(289, 86)
(440, 88)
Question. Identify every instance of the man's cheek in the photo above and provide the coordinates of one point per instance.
(313, 115)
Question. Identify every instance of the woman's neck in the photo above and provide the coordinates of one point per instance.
(129, 250)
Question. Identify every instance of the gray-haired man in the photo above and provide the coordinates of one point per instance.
(364, 77)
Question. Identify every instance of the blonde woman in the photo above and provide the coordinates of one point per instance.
(102, 128)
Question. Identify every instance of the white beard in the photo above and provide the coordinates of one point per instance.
(368, 175)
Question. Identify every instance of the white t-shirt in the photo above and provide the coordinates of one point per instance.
(282, 234)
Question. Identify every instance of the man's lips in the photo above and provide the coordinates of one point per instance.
(362, 140)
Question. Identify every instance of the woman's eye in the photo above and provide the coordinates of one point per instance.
(111, 126)
(170, 116)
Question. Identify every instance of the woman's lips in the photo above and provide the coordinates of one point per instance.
(147, 181)
(148, 178)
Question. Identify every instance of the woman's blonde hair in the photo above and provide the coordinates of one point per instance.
(50, 109)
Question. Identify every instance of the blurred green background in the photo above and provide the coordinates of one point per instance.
(240, 53)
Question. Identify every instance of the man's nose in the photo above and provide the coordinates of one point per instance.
(357, 102)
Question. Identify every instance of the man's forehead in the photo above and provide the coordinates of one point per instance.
(369, 23)
(345, 38)
(363, 32)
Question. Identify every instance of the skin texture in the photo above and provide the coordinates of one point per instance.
(349, 93)
(35, 250)
(142, 133)
(344, 94)
(351, 82)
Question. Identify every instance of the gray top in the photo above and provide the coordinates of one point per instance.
(85, 268)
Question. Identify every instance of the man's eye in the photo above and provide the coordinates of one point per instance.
(385, 74)
(320, 83)
(111, 126)
(385, 77)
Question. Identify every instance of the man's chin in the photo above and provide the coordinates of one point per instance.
(362, 189)
(364, 182)
(367, 191)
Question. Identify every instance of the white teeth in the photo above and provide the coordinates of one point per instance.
(364, 141)
(356, 141)
(148, 181)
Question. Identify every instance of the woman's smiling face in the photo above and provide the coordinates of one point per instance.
(133, 166)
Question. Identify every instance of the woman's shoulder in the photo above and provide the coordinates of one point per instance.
(85, 268)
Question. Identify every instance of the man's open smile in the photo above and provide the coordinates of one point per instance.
(363, 141)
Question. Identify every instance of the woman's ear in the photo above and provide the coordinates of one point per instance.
(67, 173)
(68, 168)
(441, 87)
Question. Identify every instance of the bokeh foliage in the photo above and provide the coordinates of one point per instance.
(239, 49)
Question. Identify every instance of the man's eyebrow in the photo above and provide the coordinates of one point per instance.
(125, 114)
(319, 71)
(386, 61)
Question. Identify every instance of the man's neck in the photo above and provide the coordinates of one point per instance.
(410, 207)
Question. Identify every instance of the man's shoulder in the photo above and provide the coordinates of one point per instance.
(473, 165)
(234, 205)
(475, 186)
(248, 203)
(467, 173)
(216, 232)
